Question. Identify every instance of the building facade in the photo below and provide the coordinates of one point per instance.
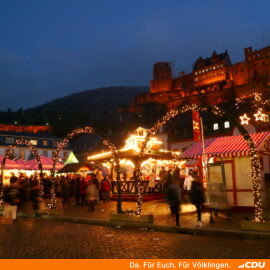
(45, 143)
(213, 80)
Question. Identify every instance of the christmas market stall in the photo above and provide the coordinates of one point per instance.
(229, 163)
(27, 167)
(154, 160)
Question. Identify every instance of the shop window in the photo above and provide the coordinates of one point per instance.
(266, 118)
(54, 143)
(9, 140)
(34, 142)
(227, 124)
(215, 126)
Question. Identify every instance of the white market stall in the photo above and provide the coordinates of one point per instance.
(234, 153)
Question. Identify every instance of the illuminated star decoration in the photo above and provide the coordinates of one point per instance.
(244, 119)
(259, 116)
(195, 125)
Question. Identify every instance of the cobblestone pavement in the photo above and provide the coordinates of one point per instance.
(159, 209)
(28, 238)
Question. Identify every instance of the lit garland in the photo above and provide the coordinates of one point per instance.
(255, 161)
(63, 144)
(10, 150)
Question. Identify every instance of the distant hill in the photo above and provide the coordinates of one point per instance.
(106, 98)
(97, 107)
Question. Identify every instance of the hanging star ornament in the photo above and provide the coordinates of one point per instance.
(244, 119)
(259, 116)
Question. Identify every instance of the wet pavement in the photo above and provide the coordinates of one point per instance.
(159, 209)
(29, 238)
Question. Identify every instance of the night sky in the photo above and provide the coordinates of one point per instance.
(49, 49)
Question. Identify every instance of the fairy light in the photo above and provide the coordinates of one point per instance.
(255, 161)
(61, 145)
(10, 150)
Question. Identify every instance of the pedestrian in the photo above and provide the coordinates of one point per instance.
(34, 197)
(11, 198)
(83, 186)
(197, 198)
(168, 179)
(77, 190)
(187, 183)
(152, 181)
(174, 199)
(92, 194)
(176, 175)
(106, 188)
(65, 192)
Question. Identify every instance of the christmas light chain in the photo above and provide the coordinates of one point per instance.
(63, 144)
(10, 150)
(255, 161)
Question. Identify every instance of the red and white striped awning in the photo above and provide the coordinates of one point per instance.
(229, 146)
(31, 164)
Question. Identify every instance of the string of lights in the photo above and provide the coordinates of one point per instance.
(9, 152)
(61, 145)
(216, 110)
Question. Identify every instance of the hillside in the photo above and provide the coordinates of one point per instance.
(92, 107)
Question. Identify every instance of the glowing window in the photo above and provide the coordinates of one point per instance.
(266, 118)
(227, 124)
(34, 142)
(215, 126)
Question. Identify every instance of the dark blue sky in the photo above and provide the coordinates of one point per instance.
(49, 49)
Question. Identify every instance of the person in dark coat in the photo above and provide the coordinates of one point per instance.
(12, 198)
(83, 187)
(65, 192)
(105, 187)
(34, 196)
(197, 198)
(174, 199)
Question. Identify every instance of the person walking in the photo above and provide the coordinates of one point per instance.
(197, 198)
(34, 197)
(92, 194)
(65, 192)
(187, 183)
(12, 198)
(105, 187)
(152, 181)
(174, 199)
(83, 186)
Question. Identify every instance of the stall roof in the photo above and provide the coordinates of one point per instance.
(228, 146)
(73, 167)
(30, 164)
(132, 154)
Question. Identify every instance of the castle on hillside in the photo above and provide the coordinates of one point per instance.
(213, 79)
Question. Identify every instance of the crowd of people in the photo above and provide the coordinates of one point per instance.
(92, 188)
(86, 190)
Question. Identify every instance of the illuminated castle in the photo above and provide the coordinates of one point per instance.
(214, 80)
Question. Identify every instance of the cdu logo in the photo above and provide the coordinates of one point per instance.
(252, 265)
